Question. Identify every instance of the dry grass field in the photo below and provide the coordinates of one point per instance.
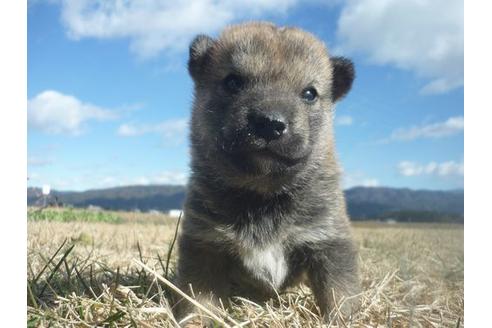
(84, 274)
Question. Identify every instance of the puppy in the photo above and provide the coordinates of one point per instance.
(264, 208)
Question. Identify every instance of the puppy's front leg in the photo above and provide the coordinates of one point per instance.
(333, 277)
(204, 268)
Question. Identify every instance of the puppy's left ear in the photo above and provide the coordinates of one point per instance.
(343, 76)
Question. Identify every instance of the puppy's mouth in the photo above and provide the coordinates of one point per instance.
(269, 155)
(253, 155)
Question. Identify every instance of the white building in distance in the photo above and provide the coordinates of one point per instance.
(175, 213)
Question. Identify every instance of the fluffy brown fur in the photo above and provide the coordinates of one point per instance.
(264, 209)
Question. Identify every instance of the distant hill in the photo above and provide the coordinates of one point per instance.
(128, 198)
(362, 202)
(376, 202)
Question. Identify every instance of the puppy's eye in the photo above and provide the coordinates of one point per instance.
(233, 83)
(309, 94)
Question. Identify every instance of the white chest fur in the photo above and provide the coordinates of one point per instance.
(266, 263)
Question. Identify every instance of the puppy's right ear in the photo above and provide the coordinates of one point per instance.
(343, 77)
(198, 54)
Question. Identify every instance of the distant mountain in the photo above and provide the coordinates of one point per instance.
(128, 198)
(379, 202)
(362, 202)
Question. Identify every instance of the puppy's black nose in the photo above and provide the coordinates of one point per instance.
(269, 126)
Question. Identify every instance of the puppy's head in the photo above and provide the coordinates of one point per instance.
(263, 101)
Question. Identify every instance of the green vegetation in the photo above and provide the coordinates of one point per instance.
(71, 214)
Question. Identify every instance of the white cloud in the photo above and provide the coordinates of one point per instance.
(424, 36)
(444, 169)
(171, 129)
(39, 161)
(31, 3)
(370, 182)
(165, 177)
(96, 180)
(358, 179)
(451, 126)
(172, 177)
(33, 176)
(154, 26)
(344, 120)
(54, 112)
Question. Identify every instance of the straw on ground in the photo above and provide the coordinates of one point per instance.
(83, 274)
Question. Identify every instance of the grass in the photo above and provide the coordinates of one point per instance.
(71, 214)
(95, 273)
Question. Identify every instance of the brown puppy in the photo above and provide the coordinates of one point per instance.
(264, 208)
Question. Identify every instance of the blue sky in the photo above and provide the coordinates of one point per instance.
(109, 96)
